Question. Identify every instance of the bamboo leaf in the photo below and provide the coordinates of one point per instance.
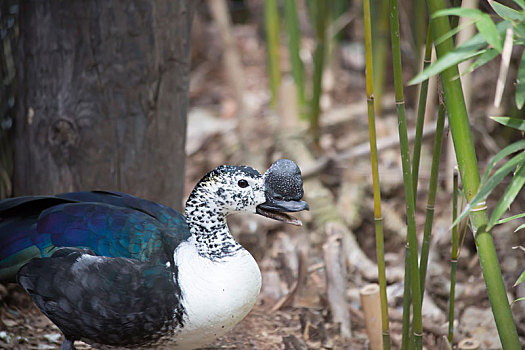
(508, 197)
(514, 147)
(459, 55)
(519, 299)
(470, 48)
(488, 29)
(521, 3)
(519, 29)
(452, 32)
(487, 56)
(514, 123)
(502, 221)
(474, 14)
(522, 226)
(520, 84)
(520, 279)
(519, 42)
(485, 189)
(506, 12)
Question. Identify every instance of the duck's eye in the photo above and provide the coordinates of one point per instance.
(242, 183)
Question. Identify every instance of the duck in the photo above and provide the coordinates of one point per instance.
(117, 271)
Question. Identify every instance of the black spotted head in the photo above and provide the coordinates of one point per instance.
(228, 189)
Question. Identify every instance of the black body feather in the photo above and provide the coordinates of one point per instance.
(85, 296)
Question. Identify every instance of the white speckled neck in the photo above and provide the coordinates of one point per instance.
(223, 191)
(208, 226)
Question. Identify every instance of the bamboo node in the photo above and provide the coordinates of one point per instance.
(370, 289)
(479, 207)
(469, 344)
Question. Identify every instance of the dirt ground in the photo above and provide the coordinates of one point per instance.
(288, 318)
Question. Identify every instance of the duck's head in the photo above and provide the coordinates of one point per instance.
(233, 189)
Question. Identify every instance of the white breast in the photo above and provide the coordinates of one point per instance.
(216, 295)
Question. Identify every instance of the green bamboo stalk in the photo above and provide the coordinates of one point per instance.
(423, 92)
(419, 24)
(407, 176)
(294, 46)
(339, 8)
(469, 172)
(432, 188)
(454, 20)
(322, 14)
(421, 108)
(378, 217)
(453, 260)
(380, 44)
(405, 331)
(271, 23)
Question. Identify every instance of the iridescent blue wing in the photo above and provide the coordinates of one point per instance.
(109, 223)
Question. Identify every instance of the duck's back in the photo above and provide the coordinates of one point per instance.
(111, 224)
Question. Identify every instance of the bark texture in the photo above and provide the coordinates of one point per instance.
(103, 97)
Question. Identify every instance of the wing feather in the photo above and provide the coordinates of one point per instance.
(113, 301)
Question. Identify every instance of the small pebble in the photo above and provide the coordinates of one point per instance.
(53, 337)
(5, 337)
(3, 291)
(9, 323)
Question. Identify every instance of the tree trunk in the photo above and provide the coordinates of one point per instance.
(102, 97)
